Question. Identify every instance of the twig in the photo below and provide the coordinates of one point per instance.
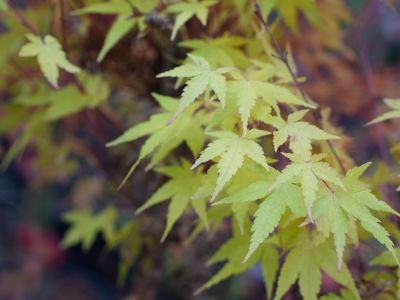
(23, 20)
(282, 55)
(103, 110)
(108, 114)
(135, 11)
(63, 27)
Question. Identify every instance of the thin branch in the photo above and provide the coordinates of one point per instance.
(103, 110)
(282, 55)
(108, 114)
(23, 20)
(63, 27)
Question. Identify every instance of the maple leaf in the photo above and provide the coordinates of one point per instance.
(186, 10)
(275, 70)
(251, 181)
(394, 104)
(338, 207)
(386, 259)
(231, 252)
(201, 77)
(269, 262)
(124, 21)
(84, 227)
(50, 56)
(304, 263)
(219, 52)
(246, 91)
(344, 295)
(129, 244)
(51, 105)
(179, 189)
(252, 192)
(269, 214)
(121, 26)
(214, 217)
(187, 128)
(299, 133)
(289, 10)
(308, 172)
(3, 5)
(232, 150)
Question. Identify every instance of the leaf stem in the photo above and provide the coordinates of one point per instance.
(282, 55)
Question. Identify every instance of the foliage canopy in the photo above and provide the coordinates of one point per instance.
(240, 142)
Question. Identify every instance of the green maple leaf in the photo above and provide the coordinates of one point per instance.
(121, 26)
(252, 192)
(215, 216)
(124, 21)
(357, 202)
(271, 211)
(84, 227)
(231, 252)
(344, 295)
(386, 259)
(304, 263)
(250, 180)
(307, 172)
(32, 128)
(116, 7)
(275, 71)
(289, 11)
(50, 56)
(232, 150)
(299, 133)
(338, 223)
(219, 52)
(269, 262)
(179, 189)
(3, 5)
(51, 105)
(69, 99)
(247, 91)
(163, 139)
(202, 77)
(186, 10)
(394, 104)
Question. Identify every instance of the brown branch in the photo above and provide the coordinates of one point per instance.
(282, 55)
(109, 115)
(103, 110)
(63, 27)
(23, 20)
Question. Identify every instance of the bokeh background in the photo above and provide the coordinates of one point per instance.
(74, 170)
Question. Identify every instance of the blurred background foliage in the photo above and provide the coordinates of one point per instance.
(65, 231)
